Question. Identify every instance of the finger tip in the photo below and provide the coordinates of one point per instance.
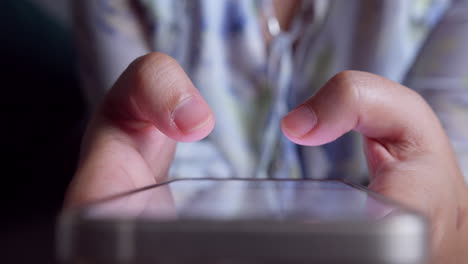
(287, 133)
(309, 139)
(197, 133)
(192, 114)
(299, 122)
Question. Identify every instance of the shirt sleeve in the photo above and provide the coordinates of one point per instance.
(109, 35)
(440, 75)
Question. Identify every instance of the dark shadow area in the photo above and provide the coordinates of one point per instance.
(43, 120)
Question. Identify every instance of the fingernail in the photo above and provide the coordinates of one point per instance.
(300, 121)
(191, 114)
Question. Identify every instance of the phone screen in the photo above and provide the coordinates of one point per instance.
(241, 199)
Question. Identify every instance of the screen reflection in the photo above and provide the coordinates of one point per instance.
(240, 199)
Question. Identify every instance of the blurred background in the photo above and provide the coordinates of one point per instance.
(44, 114)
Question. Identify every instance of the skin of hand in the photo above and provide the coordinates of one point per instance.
(131, 140)
(408, 153)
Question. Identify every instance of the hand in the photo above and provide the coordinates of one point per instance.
(131, 139)
(409, 156)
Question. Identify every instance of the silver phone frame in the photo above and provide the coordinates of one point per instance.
(397, 239)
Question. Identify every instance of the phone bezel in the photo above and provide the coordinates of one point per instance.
(127, 240)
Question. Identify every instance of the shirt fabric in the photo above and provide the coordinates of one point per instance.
(252, 73)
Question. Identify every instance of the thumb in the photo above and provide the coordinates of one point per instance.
(156, 91)
(409, 156)
(130, 140)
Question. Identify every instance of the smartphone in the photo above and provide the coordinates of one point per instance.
(208, 220)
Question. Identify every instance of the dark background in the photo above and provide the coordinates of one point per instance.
(43, 117)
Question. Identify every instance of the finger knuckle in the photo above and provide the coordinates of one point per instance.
(153, 58)
(160, 77)
(154, 68)
(347, 84)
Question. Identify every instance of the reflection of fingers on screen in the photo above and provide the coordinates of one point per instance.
(157, 203)
(306, 200)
